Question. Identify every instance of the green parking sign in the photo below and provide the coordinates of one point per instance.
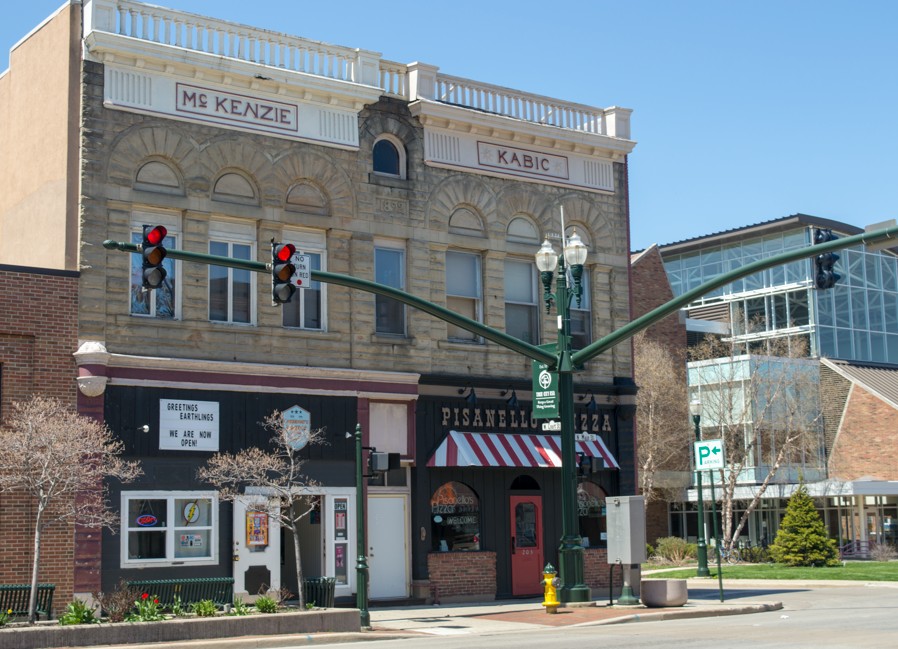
(545, 391)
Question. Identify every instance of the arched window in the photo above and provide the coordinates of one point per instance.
(465, 221)
(522, 230)
(454, 518)
(591, 512)
(305, 197)
(389, 157)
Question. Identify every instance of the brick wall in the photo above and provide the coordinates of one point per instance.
(38, 335)
(869, 427)
(596, 572)
(462, 576)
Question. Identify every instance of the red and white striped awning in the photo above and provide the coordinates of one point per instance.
(498, 449)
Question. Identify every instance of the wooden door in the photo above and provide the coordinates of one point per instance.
(526, 545)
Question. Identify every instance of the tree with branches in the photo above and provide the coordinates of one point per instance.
(61, 461)
(765, 407)
(662, 419)
(276, 472)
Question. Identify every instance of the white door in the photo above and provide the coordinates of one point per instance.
(387, 547)
(257, 549)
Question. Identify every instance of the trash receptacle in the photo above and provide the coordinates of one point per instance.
(319, 591)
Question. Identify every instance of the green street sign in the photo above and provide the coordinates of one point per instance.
(709, 455)
(545, 391)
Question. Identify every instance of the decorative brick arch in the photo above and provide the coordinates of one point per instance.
(461, 191)
(318, 170)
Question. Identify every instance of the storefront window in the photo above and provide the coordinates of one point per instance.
(163, 527)
(591, 512)
(454, 518)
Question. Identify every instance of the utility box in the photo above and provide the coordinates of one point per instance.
(626, 529)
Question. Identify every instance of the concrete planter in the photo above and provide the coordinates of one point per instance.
(90, 635)
(663, 593)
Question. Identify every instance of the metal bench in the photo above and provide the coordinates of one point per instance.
(14, 597)
(219, 589)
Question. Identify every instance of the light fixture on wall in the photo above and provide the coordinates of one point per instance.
(592, 406)
(472, 396)
(511, 401)
(92, 386)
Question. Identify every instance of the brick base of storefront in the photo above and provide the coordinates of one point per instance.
(461, 577)
(457, 577)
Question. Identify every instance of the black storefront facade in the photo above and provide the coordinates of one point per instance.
(487, 485)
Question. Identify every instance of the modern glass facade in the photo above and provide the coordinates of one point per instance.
(856, 320)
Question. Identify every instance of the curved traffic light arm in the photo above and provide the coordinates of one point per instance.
(650, 318)
(499, 337)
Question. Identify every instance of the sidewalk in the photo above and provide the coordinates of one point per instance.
(516, 615)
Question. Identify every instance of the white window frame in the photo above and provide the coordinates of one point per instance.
(312, 242)
(397, 247)
(400, 148)
(585, 304)
(170, 528)
(231, 234)
(534, 304)
(172, 223)
(477, 299)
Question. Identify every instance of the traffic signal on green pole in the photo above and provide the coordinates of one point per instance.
(282, 270)
(825, 276)
(153, 255)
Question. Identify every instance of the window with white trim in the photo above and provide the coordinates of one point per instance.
(307, 308)
(231, 290)
(581, 316)
(464, 292)
(163, 301)
(521, 301)
(388, 156)
(168, 528)
(389, 269)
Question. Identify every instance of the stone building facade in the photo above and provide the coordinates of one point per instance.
(372, 169)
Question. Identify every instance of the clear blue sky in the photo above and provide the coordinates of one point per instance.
(743, 111)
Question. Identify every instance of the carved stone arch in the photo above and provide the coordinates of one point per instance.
(461, 191)
(232, 153)
(521, 202)
(135, 146)
(319, 171)
(235, 186)
(592, 221)
(378, 123)
(307, 197)
(158, 174)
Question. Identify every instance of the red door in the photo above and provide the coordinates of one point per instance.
(526, 545)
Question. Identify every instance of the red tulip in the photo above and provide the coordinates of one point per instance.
(144, 596)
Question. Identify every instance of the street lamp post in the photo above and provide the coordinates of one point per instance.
(361, 566)
(695, 409)
(570, 559)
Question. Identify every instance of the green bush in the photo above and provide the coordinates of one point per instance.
(801, 539)
(239, 607)
(649, 550)
(146, 609)
(78, 612)
(673, 549)
(265, 604)
(204, 608)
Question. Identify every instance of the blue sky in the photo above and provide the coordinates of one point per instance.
(743, 111)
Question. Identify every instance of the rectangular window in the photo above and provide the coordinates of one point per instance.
(230, 289)
(581, 316)
(160, 302)
(168, 528)
(307, 308)
(389, 269)
(463, 292)
(521, 301)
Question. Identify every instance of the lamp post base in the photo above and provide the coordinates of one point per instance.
(570, 563)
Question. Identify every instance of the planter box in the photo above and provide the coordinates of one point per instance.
(225, 626)
(660, 593)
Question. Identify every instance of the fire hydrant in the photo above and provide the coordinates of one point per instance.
(551, 583)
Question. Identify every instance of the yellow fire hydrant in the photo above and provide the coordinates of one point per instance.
(550, 582)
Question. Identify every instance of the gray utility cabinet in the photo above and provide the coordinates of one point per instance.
(626, 529)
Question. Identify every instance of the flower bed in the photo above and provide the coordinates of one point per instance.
(45, 635)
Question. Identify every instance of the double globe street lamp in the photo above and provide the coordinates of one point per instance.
(570, 559)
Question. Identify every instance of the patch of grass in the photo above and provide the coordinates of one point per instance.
(851, 571)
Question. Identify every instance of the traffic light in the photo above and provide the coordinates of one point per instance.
(825, 277)
(153, 256)
(282, 270)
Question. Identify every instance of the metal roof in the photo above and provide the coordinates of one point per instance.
(878, 378)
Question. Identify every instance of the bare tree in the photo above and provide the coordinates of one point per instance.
(764, 406)
(278, 474)
(61, 460)
(662, 419)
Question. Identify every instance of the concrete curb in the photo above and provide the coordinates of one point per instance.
(277, 641)
(687, 613)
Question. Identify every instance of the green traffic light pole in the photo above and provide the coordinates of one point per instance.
(562, 361)
(361, 566)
